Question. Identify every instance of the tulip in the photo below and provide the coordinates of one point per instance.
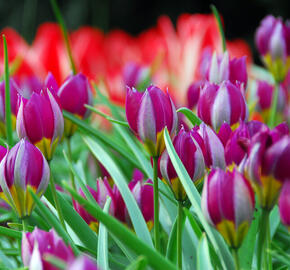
(103, 191)
(14, 90)
(222, 103)
(36, 246)
(193, 93)
(222, 69)
(82, 263)
(40, 121)
(147, 114)
(284, 204)
(211, 146)
(74, 93)
(228, 204)
(134, 74)
(192, 158)
(268, 164)
(23, 166)
(273, 42)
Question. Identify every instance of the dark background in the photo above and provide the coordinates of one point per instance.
(241, 18)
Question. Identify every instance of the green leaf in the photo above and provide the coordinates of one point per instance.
(280, 255)
(203, 258)
(220, 26)
(194, 120)
(5, 260)
(126, 236)
(55, 261)
(137, 218)
(274, 220)
(193, 223)
(139, 264)
(53, 221)
(194, 197)
(10, 233)
(103, 261)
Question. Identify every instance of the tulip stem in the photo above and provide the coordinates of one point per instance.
(156, 204)
(56, 202)
(24, 225)
(179, 235)
(70, 159)
(8, 120)
(60, 20)
(262, 246)
(236, 258)
(273, 109)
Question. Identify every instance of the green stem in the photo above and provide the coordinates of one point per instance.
(8, 120)
(60, 20)
(220, 26)
(156, 204)
(236, 259)
(261, 249)
(179, 235)
(70, 159)
(56, 202)
(274, 106)
(24, 225)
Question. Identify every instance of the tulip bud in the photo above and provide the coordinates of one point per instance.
(14, 90)
(191, 156)
(147, 114)
(284, 204)
(23, 166)
(134, 74)
(219, 104)
(267, 164)
(103, 191)
(273, 42)
(39, 244)
(74, 93)
(193, 93)
(40, 121)
(228, 204)
(82, 263)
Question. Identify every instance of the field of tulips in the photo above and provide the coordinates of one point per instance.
(166, 150)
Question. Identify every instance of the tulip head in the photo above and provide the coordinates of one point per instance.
(23, 166)
(191, 155)
(38, 244)
(148, 114)
(74, 93)
(134, 74)
(228, 204)
(222, 103)
(267, 164)
(273, 42)
(193, 93)
(284, 204)
(40, 121)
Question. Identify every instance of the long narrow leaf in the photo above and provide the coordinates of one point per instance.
(195, 121)
(203, 258)
(194, 197)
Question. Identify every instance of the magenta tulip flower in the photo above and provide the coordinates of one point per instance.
(222, 103)
(134, 74)
(193, 93)
(74, 93)
(40, 121)
(36, 246)
(82, 263)
(228, 204)
(148, 114)
(284, 204)
(23, 166)
(273, 42)
(268, 164)
(191, 155)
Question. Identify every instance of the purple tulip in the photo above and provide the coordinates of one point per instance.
(284, 204)
(268, 163)
(228, 204)
(82, 263)
(148, 114)
(23, 166)
(221, 103)
(39, 244)
(211, 146)
(273, 42)
(193, 93)
(134, 74)
(50, 83)
(40, 121)
(103, 191)
(191, 156)
(223, 69)
(14, 91)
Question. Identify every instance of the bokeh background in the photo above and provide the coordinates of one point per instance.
(241, 18)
